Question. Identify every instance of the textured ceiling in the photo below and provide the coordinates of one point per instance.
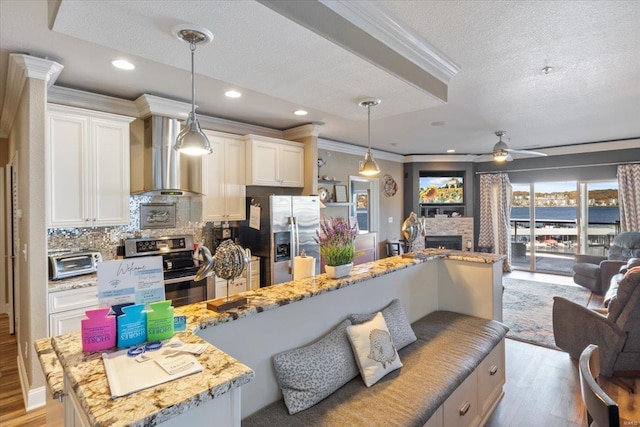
(592, 93)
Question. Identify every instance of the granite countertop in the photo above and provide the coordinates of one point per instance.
(272, 297)
(50, 366)
(84, 281)
(221, 371)
(153, 405)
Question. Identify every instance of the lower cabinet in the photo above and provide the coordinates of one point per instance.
(67, 309)
(474, 400)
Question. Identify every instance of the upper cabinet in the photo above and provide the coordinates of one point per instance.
(274, 162)
(87, 161)
(223, 179)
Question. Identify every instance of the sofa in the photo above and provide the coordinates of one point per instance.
(453, 354)
(615, 330)
(594, 272)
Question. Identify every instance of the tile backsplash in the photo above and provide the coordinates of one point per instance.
(105, 239)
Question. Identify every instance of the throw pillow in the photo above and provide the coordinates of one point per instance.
(309, 374)
(374, 349)
(396, 320)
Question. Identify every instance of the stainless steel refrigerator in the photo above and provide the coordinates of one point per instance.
(288, 225)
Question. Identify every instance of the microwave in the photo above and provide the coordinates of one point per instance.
(71, 264)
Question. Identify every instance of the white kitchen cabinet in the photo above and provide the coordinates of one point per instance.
(239, 285)
(67, 309)
(87, 168)
(223, 179)
(274, 162)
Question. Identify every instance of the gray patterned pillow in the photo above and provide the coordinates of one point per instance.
(396, 320)
(309, 374)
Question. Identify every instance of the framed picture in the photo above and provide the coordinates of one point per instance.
(340, 192)
(158, 215)
(362, 201)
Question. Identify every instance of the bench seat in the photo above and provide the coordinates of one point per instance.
(449, 348)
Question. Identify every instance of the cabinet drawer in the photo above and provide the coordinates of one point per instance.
(461, 408)
(72, 299)
(435, 420)
(238, 285)
(491, 377)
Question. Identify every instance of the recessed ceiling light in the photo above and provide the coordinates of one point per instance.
(451, 150)
(438, 123)
(232, 94)
(546, 70)
(123, 64)
(301, 112)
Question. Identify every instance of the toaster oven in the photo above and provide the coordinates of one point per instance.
(73, 263)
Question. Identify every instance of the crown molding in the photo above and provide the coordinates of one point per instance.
(450, 158)
(311, 129)
(373, 18)
(91, 101)
(19, 68)
(341, 147)
(155, 105)
(231, 126)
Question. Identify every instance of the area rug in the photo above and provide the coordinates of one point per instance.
(527, 308)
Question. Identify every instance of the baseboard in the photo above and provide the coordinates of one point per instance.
(32, 399)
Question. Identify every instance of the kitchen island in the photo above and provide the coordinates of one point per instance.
(275, 319)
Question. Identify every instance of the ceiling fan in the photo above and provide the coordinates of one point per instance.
(502, 152)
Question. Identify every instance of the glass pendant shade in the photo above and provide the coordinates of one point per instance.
(191, 140)
(369, 167)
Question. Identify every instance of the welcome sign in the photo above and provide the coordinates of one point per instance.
(133, 280)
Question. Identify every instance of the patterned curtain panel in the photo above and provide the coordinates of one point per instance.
(495, 209)
(629, 196)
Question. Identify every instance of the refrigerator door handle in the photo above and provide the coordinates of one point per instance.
(292, 243)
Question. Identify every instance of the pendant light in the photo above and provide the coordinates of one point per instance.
(369, 167)
(191, 140)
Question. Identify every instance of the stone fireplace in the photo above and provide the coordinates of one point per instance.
(458, 228)
(443, 242)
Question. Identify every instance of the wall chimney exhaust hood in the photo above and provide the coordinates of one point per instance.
(165, 172)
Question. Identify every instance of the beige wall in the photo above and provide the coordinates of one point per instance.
(341, 166)
(27, 139)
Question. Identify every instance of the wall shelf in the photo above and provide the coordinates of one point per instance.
(328, 181)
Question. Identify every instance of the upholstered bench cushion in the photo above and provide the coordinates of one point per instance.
(449, 347)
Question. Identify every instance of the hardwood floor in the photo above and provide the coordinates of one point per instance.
(542, 387)
(12, 411)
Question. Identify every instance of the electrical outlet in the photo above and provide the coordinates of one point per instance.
(390, 220)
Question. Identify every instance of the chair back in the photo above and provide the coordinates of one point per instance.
(602, 411)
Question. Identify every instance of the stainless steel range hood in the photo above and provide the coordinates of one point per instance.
(165, 172)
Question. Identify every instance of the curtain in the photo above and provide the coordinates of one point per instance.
(495, 210)
(629, 196)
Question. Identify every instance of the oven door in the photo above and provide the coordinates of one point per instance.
(184, 290)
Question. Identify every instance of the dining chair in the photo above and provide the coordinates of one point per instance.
(602, 411)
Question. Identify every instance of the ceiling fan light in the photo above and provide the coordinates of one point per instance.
(191, 140)
(500, 155)
(369, 167)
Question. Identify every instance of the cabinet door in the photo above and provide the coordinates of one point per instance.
(291, 166)
(67, 321)
(223, 180)
(110, 174)
(234, 180)
(264, 163)
(213, 208)
(67, 162)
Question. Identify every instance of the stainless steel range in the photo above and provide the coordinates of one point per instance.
(179, 266)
